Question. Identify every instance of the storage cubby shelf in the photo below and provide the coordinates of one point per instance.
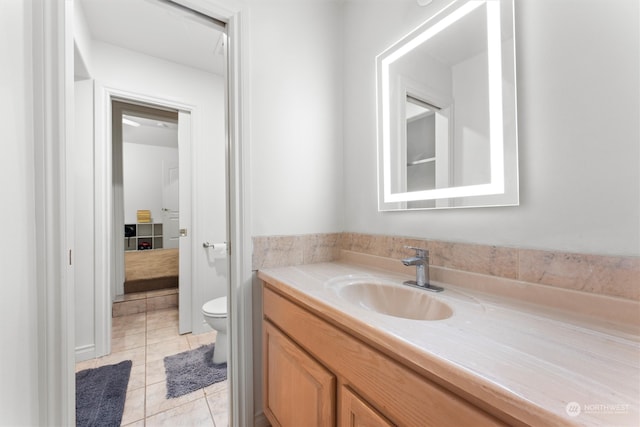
(142, 236)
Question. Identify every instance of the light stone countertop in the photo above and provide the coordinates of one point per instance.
(527, 360)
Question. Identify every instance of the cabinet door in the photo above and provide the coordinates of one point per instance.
(298, 391)
(355, 412)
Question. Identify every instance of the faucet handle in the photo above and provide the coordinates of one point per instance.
(420, 252)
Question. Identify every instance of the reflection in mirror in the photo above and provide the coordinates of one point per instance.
(421, 144)
(427, 147)
(446, 119)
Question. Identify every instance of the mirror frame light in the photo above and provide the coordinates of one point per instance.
(450, 14)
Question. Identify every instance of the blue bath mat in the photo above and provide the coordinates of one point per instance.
(192, 370)
(100, 394)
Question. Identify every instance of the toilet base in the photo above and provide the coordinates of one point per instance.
(220, 351)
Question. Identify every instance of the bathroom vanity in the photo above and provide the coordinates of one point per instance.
(316, 372)
(340, 349)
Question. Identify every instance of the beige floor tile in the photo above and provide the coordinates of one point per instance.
(162, 334)
(156, 400)
(217, 388)
(162, 302)
(194, 413)
(129, 320)
(124, 331)
(155, 372)
(128, 325)
(136, 355)
(162, 314)
(139, 423)
(219, 407)
(162, 318)
(199, 340)
(128, 342)
(145, 339)
(131, 296)
(126, 308)
(221, 420)
(160, 350)
(134, 406)
(85, 364)
(137, 379)
(161, 323)
(161, 292)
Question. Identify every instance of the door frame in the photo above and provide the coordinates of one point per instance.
(109, 213)
(51, 31)
(53, 125)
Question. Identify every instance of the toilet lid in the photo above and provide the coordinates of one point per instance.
(216, 307)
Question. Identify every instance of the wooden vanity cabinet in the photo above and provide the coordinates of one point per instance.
(355, 412)
(317, 373)
(298, 390)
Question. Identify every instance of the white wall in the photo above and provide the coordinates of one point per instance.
(84, 212)
(143, 179)
(82, 42)
(296, 117)
(19, 335)
(144, 75)
(123, 70)
(578, 108)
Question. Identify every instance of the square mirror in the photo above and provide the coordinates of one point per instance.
(446, 95)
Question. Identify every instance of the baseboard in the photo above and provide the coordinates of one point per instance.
(260, 420)
(85, 352)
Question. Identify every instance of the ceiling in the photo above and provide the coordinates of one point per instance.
(160, 133)
(153, 27)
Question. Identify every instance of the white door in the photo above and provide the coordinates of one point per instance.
(170, 204)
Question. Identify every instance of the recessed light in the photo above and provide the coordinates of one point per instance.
(130, 122)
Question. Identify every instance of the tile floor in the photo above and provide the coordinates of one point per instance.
(140, 302)
(145, 339)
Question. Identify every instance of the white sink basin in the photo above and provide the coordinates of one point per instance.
(397, 301)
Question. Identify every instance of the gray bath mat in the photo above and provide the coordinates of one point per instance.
(100, 394)
(192, 370)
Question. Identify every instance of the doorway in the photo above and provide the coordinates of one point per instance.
(57, 36)
(131, 78)
(134, 84)
(146, 162)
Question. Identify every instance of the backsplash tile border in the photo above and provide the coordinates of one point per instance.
(599, 274)
(606, 275)
(277, 251)
(282, 251)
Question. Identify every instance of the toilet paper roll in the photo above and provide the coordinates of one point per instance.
(220, 248)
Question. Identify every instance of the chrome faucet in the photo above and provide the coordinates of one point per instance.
(421, 261)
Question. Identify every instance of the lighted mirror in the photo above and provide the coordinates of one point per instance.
(446, 97)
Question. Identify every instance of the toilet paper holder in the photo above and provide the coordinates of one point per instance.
(207, 245)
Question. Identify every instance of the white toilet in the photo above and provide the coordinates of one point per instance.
(215, 313)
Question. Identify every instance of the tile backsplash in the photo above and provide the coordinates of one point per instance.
(607, 275)
(281, 251)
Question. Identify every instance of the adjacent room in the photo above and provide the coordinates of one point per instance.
(151, 202)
